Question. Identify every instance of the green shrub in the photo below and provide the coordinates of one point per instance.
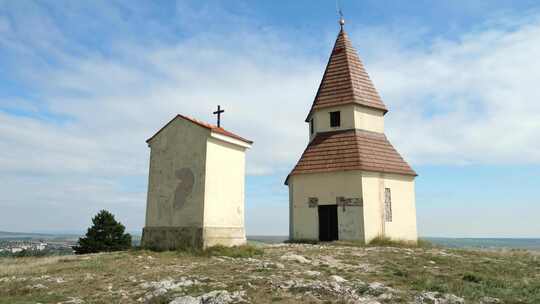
(105, 235)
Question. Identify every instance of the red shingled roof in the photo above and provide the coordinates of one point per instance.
(351, 150)
(345, 80)
(203, 124)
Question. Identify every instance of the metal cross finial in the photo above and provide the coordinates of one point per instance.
(340, 13)
(218, 112)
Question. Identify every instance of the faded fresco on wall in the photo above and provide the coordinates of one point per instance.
(186, 180)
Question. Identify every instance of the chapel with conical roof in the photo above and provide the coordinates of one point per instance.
(350, 182)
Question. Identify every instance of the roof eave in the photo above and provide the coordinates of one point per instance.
(384, 110)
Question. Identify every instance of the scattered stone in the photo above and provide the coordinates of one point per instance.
(162, 287)
(218, 259)
(213, 297)
(376, 288)
(186, 300)
(295, 257)
(269, 265)
(312, 273)
(489, 300)
(438, 298)
(38, 286)
(58, 280)
(169, 284)
(337, 279)
(73, 300)
(6, 279)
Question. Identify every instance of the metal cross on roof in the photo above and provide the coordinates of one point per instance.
(218, 112)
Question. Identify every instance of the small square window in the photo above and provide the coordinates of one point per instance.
(311, 126)
(335, 119)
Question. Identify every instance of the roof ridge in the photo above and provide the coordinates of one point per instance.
(202, 124)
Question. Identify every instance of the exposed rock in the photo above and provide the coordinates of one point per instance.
(438, 298)
(294, 257)
(186, 300)
(269, 265)
(337, 279)
(376, 288)
(312, 273)
(6, 279)
(213, 297)
(73, 300)
(162, 287)
(489, 300)
(38, 286)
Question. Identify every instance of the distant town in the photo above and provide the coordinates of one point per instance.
(18, 244)
(35, 244)
(35, 247)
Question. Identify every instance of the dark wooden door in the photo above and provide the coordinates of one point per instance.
(328, 223)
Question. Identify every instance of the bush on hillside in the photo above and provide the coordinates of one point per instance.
(105, 235)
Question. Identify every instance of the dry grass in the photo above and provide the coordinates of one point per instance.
(31, 265)
(512, 276)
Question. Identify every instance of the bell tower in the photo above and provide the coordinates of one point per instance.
(346, 98)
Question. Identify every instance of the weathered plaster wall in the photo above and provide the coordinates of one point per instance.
(176, 181)
(326, 187)
(224, 197)
(368, 119)
(351, 222)
(403, 225)
(322, 119)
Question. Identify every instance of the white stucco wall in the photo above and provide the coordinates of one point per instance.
(368, 119)
(403, 225)
(322, 119)
(224, 198)
(181, 144)
(352, 117)
(326, 187)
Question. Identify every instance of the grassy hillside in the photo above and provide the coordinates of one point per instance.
(293, 273)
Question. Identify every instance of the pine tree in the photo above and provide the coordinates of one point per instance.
(106, 234)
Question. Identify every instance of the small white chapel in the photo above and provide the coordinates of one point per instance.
(350, 182)
(195, 186)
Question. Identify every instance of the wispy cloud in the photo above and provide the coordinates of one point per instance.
(89, 97)
(466, 101)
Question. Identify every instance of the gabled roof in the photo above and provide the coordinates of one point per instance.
(345, 80)
(351, 150)
(203, 124)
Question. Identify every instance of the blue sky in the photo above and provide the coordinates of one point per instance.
(83, 84)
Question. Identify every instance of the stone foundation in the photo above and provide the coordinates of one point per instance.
(171, 238)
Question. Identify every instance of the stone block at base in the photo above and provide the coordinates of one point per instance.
(171, 238)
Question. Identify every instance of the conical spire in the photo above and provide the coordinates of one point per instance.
(345, 79)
